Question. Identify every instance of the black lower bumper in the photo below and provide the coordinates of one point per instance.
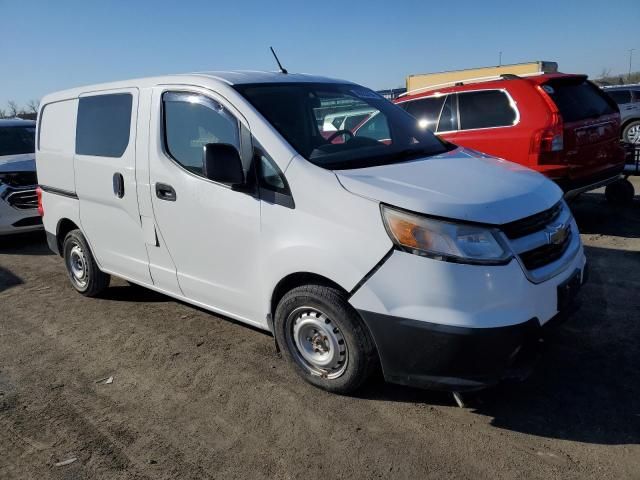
(52, 242)
(443, 357)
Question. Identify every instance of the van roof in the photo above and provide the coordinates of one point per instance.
(232, 77)
(238, 77)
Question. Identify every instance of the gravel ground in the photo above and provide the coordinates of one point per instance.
(198, 396)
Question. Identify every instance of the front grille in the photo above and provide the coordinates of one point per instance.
(23, 199)
(531, 224)
(545, 254)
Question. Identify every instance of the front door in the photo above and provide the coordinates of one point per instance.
(105, 170)
(211, 230)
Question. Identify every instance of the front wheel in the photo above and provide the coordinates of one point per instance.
(82, 268)
(325, 338)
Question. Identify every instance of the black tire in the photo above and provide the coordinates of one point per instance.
(360, 357)
(627, 128)
(620, 192)
(78, 258)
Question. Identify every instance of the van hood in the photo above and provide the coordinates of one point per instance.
(18, 163)
(461, 184)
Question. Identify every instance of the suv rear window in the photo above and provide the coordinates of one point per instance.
(579, 100)
(485, 109)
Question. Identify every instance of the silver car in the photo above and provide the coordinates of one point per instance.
(628, 99)
(18, 181)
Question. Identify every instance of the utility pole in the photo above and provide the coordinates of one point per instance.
(631, 50)
(500, 58)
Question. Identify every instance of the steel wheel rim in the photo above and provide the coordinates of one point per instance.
(77, 265)
(633, 134)
(319, 345)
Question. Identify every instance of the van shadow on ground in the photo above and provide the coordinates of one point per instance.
(586, 386)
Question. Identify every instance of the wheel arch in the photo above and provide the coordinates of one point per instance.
(297, 279)
(64, 226)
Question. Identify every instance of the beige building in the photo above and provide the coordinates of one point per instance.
(428, 80)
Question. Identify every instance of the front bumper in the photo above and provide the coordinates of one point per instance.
(457, 327)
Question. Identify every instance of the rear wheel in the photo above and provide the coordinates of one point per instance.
(325, 338)
(82, 268)
(620, 192)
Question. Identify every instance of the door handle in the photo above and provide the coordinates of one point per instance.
(165, 192)
(118, 185)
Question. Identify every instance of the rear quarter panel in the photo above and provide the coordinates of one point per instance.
(55, 148)
(55, 138)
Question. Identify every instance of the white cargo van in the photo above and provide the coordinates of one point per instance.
(387, 247)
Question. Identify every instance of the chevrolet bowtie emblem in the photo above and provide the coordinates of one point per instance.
(557, 234)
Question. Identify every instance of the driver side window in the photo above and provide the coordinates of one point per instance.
(190, 122)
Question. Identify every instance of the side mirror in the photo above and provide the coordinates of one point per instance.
(222, 164)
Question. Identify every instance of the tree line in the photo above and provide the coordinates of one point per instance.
(607, 79)
(13, 110)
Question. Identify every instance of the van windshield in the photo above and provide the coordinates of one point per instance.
(342, 126)
(17, 140)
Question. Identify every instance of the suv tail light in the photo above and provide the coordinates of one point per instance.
(547, 143)
(39, 196)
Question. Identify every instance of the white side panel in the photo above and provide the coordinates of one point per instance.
(57, 137)
(57, 207)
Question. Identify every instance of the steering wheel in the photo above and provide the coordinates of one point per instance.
(333, 136)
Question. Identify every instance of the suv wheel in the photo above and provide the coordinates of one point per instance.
(82, 268)
(631, 133)
(620, 192)
(325, 338)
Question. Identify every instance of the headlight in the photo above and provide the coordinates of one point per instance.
(444, 240)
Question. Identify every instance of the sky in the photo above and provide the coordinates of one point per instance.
(56, 44)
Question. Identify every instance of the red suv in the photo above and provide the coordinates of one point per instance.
(560, 125)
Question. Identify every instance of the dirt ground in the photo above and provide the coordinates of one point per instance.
(197, 396)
